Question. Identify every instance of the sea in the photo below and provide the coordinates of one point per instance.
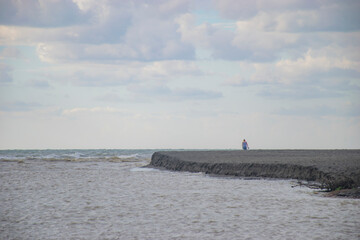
(109, 194)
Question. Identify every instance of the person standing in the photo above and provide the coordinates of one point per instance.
(245, 145)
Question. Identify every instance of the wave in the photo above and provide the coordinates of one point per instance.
(76, 155)
(89, 159)
(143, 169)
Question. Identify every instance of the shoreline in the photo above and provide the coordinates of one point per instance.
(333, 170)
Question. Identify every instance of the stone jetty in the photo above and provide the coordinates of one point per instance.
(331, 169)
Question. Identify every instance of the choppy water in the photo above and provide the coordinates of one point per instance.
(105, 194)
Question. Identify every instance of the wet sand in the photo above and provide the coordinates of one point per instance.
(332, 169)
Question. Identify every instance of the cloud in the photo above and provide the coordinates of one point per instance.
(311, 65)
(295, 15)
(164, 30)
(112, 30)
(5, 73)
(247, 9)
(268, 31)
(307, 68)
(73, 111)
(96, 78)
(145, 93)
(38, 83)
(352, 109)
(110, 97)
(164, 93)
(245, 43)
(171, 69)
(40, 13)
(194, 94)
(19, 106)
(322, 110)
(317, 86)
(312, 76)
(10, 52)
(122, 74)
(301, 91)
(135, 51)
(314, 111)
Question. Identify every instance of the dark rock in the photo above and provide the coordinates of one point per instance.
(333, 169)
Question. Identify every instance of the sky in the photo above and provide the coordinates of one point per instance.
(78, 74)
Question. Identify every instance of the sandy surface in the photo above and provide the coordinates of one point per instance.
(335, 168)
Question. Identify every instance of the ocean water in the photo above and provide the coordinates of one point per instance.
(106, 194)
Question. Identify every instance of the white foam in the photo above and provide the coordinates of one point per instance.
(143, 169)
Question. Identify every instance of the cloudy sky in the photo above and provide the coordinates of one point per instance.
(179, 74)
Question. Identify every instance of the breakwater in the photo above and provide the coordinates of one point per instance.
(332, 169)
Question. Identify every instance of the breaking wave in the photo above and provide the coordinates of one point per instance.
(103, 155)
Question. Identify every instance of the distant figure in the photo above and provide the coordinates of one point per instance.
(245, 145)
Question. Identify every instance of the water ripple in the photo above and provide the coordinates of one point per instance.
(106, 200)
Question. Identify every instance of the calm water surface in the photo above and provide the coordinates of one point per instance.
(107, 195)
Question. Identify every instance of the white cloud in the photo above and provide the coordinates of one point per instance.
(197, 35)
(312, 76)
(331, 16)
(164, 93)
(310, 65)
(60, 52)
(320, 111)
(246, 43)
(110, 97)
(169, 69)
(303, 69)
(92, 110)
(272, 30)
(120, 30)
(123, 73)
(294, 15)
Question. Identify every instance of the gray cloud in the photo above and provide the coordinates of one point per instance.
(36, 13)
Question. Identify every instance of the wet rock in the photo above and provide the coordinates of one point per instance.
(333, 169)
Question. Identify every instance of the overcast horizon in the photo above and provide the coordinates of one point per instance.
(179, 74)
